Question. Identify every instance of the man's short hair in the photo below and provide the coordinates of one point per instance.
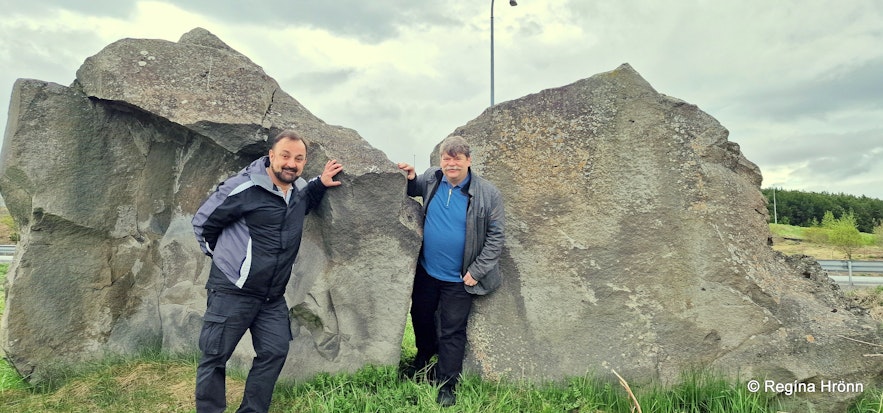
(288, 134)
(454, 145)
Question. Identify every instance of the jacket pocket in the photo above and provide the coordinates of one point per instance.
(212, 334)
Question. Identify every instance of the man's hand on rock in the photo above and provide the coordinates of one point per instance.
(331, 170)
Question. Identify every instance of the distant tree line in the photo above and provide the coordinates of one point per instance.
(807, 209)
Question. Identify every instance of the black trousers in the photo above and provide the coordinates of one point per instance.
(227, 316)
(439, 313)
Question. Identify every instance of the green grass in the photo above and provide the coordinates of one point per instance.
(165, 384)
(10, 379)
(148, 382)
(803, 233)
(870, 402)
(787, 231)
(157, 382)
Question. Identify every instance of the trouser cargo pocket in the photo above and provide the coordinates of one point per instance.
(212, 334)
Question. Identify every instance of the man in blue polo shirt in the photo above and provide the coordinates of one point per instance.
(462, 242)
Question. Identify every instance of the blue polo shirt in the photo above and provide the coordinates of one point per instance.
(444, 232)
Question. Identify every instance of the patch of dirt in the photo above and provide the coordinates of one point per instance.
(870, 298)
(5, 235)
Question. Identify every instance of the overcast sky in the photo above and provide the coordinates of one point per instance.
(799, 84)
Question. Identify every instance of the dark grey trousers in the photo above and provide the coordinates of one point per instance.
(226, 319)
(439, 312)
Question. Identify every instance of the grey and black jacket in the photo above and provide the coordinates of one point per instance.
(252, 235)
(485, 218)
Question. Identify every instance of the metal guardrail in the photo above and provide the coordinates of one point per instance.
(852, 267)
(857, 266)
(863, 281)
(6, 253)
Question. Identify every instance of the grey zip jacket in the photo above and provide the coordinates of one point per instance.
(485, 219)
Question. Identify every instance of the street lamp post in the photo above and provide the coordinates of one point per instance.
(511, 3)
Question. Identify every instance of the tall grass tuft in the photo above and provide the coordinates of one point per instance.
(871, 401)
(702, 390)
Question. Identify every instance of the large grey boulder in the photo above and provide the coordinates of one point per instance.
(637, 241)
(103, 178)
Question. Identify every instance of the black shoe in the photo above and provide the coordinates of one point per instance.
(446, 396)
(412, 370)
(424, 374)
(408, 372)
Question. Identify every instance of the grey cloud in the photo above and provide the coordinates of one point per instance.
(112, 8)
(848, 150)
(42, 54)
(28, 53)
(529, 27)
(849, 163)
(829, 162)
(317, 82)
(841, 167)
(855, 87)
(369, 21)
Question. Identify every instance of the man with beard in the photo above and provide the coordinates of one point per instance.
(251, 227)
(462, 242)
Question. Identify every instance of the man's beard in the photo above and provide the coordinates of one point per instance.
(280, 175)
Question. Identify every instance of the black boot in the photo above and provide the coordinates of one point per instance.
(446, 396)
(408, 372)
(419, 370)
